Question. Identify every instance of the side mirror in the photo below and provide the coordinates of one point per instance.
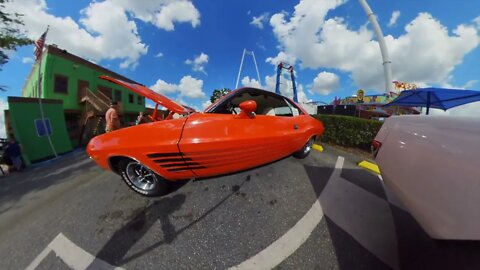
(248, 108)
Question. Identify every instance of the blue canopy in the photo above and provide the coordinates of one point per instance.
(439, 98)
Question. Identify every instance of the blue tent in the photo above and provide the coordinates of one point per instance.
(439, 98)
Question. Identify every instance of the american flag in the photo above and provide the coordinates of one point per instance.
(39, 43)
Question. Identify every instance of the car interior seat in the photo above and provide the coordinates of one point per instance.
(269, 111)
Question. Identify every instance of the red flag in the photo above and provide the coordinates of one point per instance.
(39, 44)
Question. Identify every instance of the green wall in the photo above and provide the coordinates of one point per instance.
(23, 112)
(54, 64)
(31, 86)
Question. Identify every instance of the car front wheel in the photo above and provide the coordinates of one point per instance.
(305, 151)
(141, 179)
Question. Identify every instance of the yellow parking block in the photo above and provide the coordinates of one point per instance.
(318, 147)
(369, 166)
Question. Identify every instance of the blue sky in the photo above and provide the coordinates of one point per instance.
(185, 49)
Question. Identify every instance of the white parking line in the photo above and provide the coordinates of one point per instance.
(286, 245)
(70, 254)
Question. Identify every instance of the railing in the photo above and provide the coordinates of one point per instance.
(99, 102)
(102, 97)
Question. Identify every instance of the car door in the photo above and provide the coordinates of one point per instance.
(299, 132)
(214, 144)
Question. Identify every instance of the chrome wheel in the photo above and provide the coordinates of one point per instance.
(308, 147)
(140, 176)
(305, 150)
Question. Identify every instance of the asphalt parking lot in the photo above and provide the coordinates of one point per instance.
(323, 212)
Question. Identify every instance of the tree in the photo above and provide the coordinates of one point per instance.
(10, 36)
(218, 93)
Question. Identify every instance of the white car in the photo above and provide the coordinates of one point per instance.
(432, 164)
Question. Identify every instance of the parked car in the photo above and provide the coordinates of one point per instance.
(432, 164)
(246, 128)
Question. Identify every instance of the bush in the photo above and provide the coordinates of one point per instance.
(349, 131)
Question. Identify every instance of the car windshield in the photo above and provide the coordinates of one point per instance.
(267, 103)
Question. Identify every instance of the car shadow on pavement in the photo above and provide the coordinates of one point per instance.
(394, 234)
(124, 239)
(418, 251)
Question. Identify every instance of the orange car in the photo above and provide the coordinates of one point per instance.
(244, 129)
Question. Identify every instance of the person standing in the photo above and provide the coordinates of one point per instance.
(140, 119)
(111, 117)
(14, 152)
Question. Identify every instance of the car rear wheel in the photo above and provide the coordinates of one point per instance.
(306, 149)
(141, 179)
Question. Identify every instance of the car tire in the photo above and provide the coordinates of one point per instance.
(141, 179)
(306, 149)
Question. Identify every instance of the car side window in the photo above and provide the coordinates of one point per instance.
(271, 105)
(268, 104)
(283, 111)
(295, 110)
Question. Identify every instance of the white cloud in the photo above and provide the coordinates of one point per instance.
(325, 83)
(3, 107)
(198, 63)
(477, 22)
(191, 87)
(251, 82)
(286, 88)
(159, 55)
(260, 20)
(394, 18)
(27, 60)
(162, 87)
(188, 87)
(447, 84)
(427, 48)
(470, 84)
(97, 36)
(206, 103)
(281, 57)
(467, 110)
(163, 13)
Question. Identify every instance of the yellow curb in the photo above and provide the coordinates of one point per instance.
(369, 166)
(318, 147)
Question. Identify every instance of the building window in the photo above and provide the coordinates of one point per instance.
(130, 98)
(139, 100)
(118, 95)
(61, 84)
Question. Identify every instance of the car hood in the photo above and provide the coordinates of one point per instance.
(150, 94)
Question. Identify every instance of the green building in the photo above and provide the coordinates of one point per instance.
(84, 99)
(25, 122)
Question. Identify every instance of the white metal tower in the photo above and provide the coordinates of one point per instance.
(241, 65)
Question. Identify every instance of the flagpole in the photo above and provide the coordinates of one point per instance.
(42, 115)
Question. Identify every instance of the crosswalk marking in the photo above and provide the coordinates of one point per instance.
(71, 254)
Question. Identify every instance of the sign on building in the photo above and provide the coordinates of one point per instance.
(40, 127)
